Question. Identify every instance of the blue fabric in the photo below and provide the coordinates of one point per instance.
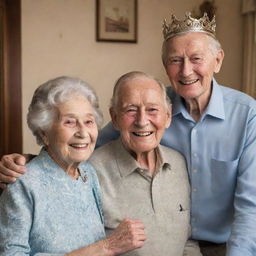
(221, 157)
(46, 212)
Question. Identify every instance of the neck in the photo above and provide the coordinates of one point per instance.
(73, 172)
(196, 106)
(70, 168)
(147, 160)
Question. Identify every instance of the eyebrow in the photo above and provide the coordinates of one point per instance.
(73, 115)
(134, 105)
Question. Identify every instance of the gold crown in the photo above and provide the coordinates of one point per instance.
(189, 24)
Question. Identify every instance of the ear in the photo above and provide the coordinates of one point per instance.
(45, 138)
(113, 115)
(168, 116)
(219, 59)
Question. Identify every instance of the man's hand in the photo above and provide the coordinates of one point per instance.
(128, 236)
(11, 168)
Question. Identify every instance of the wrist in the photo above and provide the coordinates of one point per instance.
(108, 249)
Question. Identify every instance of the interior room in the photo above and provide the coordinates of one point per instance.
(60, 38)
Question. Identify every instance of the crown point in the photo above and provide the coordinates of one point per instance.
(176, 26)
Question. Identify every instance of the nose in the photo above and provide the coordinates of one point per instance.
(187, 68)
(81, 132)
(142, 118)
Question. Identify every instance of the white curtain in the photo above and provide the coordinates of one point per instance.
(249, 62)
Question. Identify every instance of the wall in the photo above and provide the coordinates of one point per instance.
(58, 38)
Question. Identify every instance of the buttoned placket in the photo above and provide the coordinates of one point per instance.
(194, 170)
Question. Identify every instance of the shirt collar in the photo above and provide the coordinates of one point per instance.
(127, 164)
(215, 107)
(55, 171)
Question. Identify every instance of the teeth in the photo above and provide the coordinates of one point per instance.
(142, 133)
(189, 82)
(79, 145)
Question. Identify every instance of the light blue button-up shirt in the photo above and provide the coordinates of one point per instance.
(220, 151)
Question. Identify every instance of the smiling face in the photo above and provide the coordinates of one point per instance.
(72, 137)
(141, 114)
(191, 63)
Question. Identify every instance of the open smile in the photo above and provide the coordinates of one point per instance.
(79, 146)
(188, 82)
(142, 134)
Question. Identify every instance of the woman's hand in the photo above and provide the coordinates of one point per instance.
(127, 236)
(11, 168)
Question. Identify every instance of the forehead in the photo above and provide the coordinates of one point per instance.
(76, 104)
(140, 90)
(190, 43)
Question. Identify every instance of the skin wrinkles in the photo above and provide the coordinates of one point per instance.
(141, 116)
(72, 137)
(191, 64)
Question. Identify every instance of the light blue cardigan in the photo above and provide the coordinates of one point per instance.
(46, 212)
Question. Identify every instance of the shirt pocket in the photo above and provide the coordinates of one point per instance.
(181, 222)
(223, 174)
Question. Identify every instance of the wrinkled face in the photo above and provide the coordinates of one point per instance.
(72, 137)
(141, 115)
(191, 64)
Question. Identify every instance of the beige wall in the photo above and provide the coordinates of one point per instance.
(58, 38)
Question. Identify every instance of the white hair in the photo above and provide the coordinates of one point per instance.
(131, 76)
(42, 109)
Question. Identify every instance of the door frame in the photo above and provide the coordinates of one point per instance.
(10, 77)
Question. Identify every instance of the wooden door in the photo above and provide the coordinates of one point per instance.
(10, 77)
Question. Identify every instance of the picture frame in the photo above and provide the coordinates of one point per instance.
(116, 20)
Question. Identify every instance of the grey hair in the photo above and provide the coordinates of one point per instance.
(42, 109)
(214, 46)
(132, 76)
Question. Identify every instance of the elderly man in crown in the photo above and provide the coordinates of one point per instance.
(214, 127)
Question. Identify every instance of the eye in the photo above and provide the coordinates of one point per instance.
(70, 122)
(175, 60)
(89, 122)
(131, 110)
(197, 59)
(152, 109)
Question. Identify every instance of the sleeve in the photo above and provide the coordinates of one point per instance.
(242, 240)
(107, 134)
(15, 220)
(192, 248)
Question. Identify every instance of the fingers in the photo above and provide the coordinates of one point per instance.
(129, 235)
(2, 186)
(12, 164)
(9, 168)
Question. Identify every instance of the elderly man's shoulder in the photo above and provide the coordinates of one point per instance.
(105, 152)
(171, 153)
(234, 96)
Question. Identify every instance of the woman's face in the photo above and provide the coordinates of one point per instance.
(72, 137)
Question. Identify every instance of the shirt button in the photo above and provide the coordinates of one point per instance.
(141, 170)
(195, 155)
(193, 219)
(194, 189)
(195, 171)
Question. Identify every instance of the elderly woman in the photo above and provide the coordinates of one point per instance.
(56, 207)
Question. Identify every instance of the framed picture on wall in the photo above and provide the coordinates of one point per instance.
(116, 20)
